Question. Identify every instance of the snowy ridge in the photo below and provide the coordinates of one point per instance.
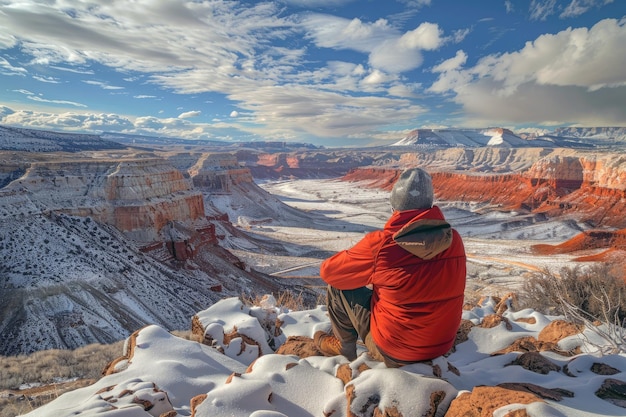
(499, 137)
(464, 137)
(31, 140)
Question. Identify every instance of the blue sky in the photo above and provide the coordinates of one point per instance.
(328, 72)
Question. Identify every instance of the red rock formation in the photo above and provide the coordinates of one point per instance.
(590, 188)
(592, 239)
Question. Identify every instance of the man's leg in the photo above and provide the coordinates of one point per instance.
(349, 312)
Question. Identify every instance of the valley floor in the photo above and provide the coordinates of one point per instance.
(498, 245)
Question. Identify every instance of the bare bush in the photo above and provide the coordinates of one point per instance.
(289, 300)
(594, 296)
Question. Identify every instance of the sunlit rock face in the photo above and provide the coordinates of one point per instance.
(137, 196)
(585, 186)
(219, 172)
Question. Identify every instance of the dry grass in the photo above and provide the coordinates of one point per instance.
(289, 300)
(49, 373)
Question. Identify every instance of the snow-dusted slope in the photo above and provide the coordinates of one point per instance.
(70, 280)
(474, 138)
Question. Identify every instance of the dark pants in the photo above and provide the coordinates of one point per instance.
(349, 312)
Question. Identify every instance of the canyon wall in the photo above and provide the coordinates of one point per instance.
(306, 164)
(218, 172)
(586, 186)
(137, 196)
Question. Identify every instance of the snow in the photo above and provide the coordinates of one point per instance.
(169, 371)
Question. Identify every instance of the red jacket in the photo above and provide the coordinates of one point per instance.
(417, 267)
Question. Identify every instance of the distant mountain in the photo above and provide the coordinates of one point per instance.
(491, 137)
(32, 140)
(146, 141)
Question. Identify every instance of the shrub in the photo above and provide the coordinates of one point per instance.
(595, 291)
(592, 295)
(288, 299)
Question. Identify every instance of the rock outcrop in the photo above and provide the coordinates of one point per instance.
(240, 374)
(587, 187)
(136, 196)
(218, 172)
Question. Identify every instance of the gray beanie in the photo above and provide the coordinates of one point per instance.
(413, 190)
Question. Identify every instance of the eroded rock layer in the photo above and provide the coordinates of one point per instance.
(137, 196)
(589, 188)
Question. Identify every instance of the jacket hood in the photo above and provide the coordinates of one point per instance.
(425, 235)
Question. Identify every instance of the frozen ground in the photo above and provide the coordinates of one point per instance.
(498, 244)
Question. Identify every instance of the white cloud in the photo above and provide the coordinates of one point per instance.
(592, 58)
(318, 3)
(103, 85)
(375, 77)
(66, 120)
(6, 68)
(50, 80)
(416, 3)
(188, 114)
(335, 32)
(234, 113)
(34, 97)
(459, 35)
(578, 7)
(542, 9)
(388, 49)
(453, 63)
(426, 36)
(573, 76)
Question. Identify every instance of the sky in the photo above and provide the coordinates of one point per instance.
(327, 72)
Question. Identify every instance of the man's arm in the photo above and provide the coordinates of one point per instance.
(352, 268)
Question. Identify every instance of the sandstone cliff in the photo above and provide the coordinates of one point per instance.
(96, 247)
(588, 187)
(137, 196)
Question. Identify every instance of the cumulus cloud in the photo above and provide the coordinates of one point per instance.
(453, 63)
(66, 120)
(570, 57)
(388, 49)
(574, 75)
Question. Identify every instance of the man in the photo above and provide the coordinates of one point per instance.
(400, 289)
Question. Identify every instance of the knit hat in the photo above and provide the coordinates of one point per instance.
(413, 190)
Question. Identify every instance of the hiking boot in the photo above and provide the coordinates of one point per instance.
(326, 343)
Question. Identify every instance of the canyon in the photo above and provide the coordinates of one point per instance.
(99, 238)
